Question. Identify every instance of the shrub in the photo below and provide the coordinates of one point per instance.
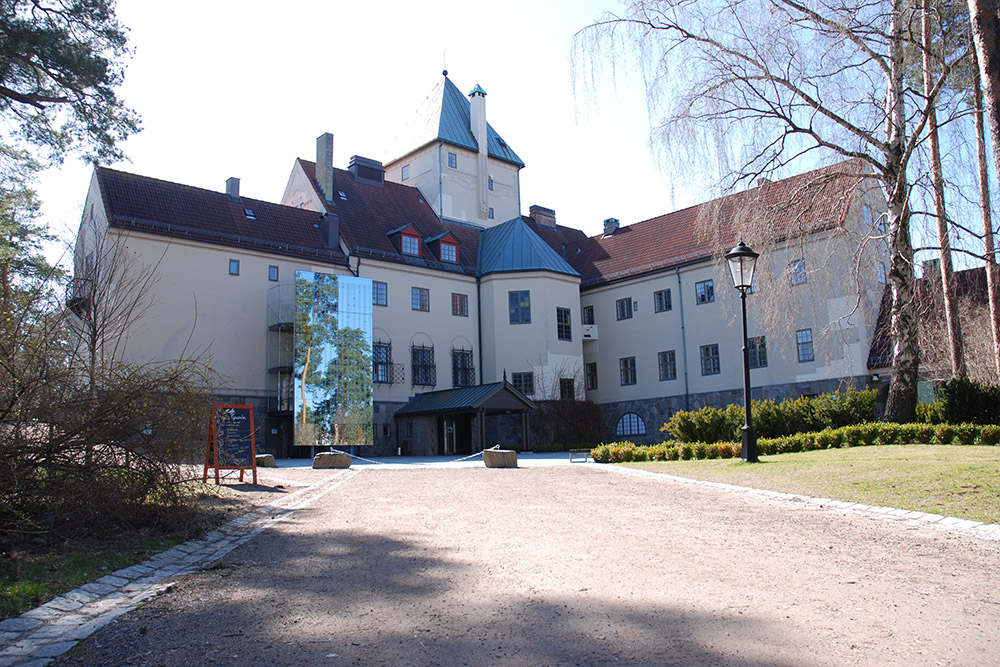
(869, 433)
(828, 439)
(968, 401)
(601, 454)
(843, 409)
(673, 453)
(724, 450)
(705, 425)
(686, 452)
(889, 434)
(989, 434)
(930, 413)
(621, 452)
(851, 435)
(965, 434)
(944, 434)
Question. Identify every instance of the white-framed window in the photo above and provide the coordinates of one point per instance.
(405, 172)
(564, 330)
(380, 293)
(704, 292)
(410, 245)
(710, 359)
(460, 304)
(449, 252)
(630, 424)
(668, 365)
(797, 269)
(420, 298)
(662, 301)
(804, 345)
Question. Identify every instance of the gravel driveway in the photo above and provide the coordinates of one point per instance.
(570, 566)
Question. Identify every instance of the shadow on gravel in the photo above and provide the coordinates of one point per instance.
(358, 598)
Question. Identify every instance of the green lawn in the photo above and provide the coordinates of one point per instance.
(954, 480)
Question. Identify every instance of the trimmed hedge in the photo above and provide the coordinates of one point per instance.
(848, 436)
(772, 420)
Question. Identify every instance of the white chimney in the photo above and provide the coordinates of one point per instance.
(477, 122)
(324, 165)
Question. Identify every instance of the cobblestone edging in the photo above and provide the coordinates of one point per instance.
(985, 531)
(38, 636)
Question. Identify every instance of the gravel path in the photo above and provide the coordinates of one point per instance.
(570, 566)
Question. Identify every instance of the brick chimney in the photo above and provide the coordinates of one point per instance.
(543, 216)
(324, 165)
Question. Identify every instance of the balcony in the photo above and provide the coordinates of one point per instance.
(589, 332)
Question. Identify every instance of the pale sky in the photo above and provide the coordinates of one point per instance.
(243, 88)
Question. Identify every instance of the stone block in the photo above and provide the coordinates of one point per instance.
(331, 460)
(500, 458)
(266, 461)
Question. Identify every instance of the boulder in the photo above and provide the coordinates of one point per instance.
(266, 461)
(500, 458)
(331, 460)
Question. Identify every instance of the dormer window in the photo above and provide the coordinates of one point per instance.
(449, 252)
(410, 245)
(248, 212)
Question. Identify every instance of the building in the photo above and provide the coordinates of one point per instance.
(463, 312)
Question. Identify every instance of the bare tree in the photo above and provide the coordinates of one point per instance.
(761, 84)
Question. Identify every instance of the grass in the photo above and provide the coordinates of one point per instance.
(28, 579)
(959, 481)
(33, 574)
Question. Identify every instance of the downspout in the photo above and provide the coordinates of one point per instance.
(684, 347)
(479, 325)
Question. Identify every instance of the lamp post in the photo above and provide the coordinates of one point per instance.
(742, 262)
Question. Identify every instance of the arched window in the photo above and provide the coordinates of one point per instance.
(631, 424)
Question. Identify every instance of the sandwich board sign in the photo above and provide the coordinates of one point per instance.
(230, 441)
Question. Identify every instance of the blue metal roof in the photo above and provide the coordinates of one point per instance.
(446, 116)
(513, 246)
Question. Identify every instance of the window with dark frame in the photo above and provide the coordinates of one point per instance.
(668, 365)
(490, 214)
(704, 292)
(380, 293)
(588, 314)
(590, 375)
(798, 271)
(489, 184)
(804, 345)
(523, 382)
(630, 424)
(463, 372)
(234, 267)
(382, 363)
(520, 307)
(757, 351)
(564, 330)
(386, 430)
(623, 308)
(626, 366)
(424, 372)
(661, 301)
(459, 305)
(452, 160)
(420, 298)
(567, 389)
(272, 273)
(710, 359)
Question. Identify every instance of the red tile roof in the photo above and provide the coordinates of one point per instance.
(808, 202)
(370, 211)
(172, 209)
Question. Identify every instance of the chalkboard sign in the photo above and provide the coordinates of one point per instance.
(230, 441)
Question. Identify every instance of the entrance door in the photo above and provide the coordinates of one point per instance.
(449, 436)
(463, 434)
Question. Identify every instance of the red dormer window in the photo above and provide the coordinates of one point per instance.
(449, 252)
(410, 245)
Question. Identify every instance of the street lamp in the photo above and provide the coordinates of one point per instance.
(742, 262)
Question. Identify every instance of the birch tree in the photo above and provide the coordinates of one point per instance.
(758, 86)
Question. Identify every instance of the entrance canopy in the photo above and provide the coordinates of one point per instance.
(488, 398)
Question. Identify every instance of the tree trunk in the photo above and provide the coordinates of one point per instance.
(992, 283)
(986, 36)
(901, 404)
(952, 322)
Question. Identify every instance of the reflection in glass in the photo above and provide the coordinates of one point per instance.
(333, 360)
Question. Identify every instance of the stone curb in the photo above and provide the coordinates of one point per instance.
(977, 529)
(44, 633)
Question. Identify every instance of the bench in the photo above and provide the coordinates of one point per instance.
(573, 453)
